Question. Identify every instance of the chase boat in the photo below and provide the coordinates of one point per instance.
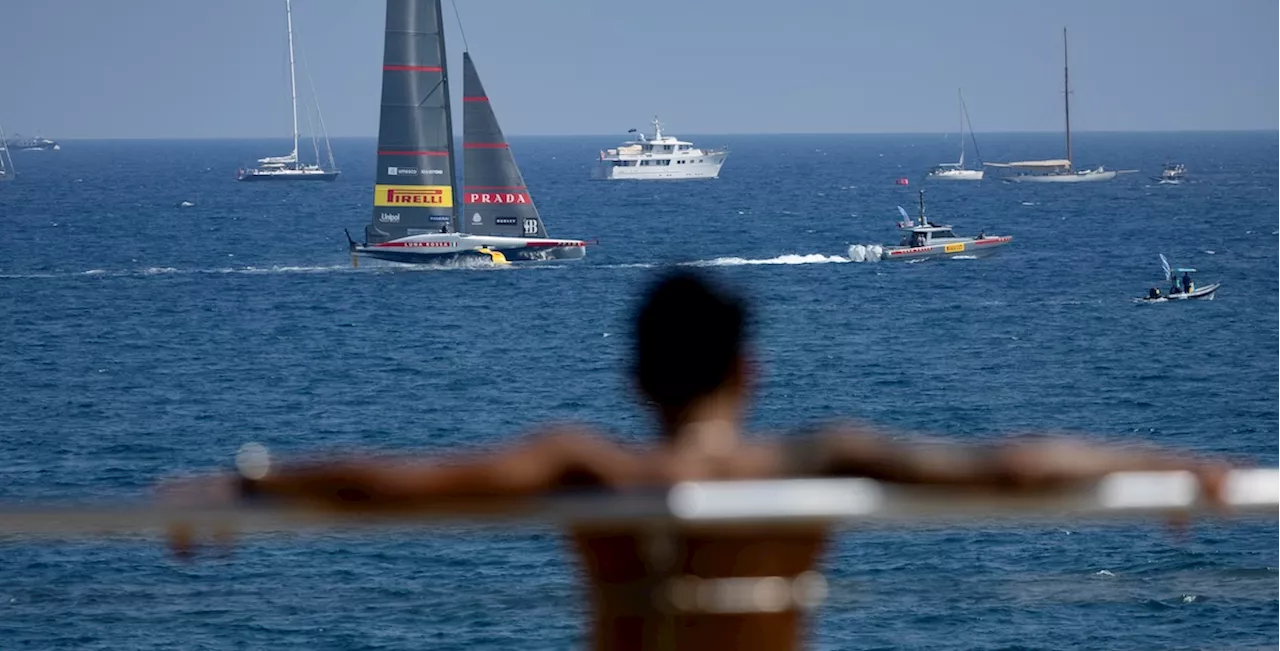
(923, 240)
(1180, 289)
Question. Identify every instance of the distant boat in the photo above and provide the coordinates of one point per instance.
(956, 171)
(1057, 170)
(20, 143)
(291, 168)
(414, 219)
(6, 160)
(659, 157)
(1183, 289)
(925, 240)
(1172, 174)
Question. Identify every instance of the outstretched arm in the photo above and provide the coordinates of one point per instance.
(552, 460)
(1027, 463)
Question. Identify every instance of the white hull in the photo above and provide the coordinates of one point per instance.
(709, 168)
(956, 175)
(439, 247)
(1070, 177)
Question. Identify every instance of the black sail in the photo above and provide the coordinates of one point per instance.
(415, 189)
(495, 200)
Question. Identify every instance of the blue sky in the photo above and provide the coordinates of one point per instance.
(206, 68)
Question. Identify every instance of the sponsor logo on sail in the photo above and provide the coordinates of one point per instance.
(389, 218)
(411, 171)
(439, 218)
(402, 171)
(505, 221)
(499, 197)
(420, 196)
(530, 227)
(476, 218)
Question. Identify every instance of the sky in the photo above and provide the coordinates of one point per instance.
(219, 68)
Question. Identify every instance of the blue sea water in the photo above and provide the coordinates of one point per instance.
(142, 339)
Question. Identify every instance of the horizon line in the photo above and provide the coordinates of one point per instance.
(708, 133)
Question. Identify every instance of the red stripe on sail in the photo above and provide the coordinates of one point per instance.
(413, 68)
(485, 145)
(477, 98)
(493, 187)
(385, 152)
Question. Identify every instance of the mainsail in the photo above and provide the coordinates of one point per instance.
(495, 200)
(414, 187)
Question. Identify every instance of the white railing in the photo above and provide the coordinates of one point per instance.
(736, 503)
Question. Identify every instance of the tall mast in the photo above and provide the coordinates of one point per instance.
(960, 111)
(1066, 92)
(293, 87)
(454, 210)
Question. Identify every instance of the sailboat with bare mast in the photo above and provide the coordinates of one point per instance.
(291, 167)
(1058, 170)
(957, 171)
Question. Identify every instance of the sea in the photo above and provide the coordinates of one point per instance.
(143, 340)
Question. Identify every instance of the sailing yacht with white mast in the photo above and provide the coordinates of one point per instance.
(414, 217)
(1058, 170)
(290, 168)
(956, 171)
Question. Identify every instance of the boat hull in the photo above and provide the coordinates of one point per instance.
(1091, 176)
(1205, 293)
(956, 175)
(442, 248)
(972, 248)
(277, 176)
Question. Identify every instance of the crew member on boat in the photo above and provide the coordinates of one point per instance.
(1187, 285)
(704, 588)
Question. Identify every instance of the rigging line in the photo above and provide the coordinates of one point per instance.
(972, 137)
(433, 91)
(315, 101)
(458, 17)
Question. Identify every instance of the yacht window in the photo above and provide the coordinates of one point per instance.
(943, 234)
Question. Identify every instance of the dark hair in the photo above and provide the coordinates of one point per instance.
(689, 339)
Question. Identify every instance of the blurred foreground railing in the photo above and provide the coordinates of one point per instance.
(690, 504)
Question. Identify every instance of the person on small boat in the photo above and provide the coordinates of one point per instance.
(1187, 285)
(1154, 293)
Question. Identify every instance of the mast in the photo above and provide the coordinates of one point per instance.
(960, 110)
(293, 87)
(455, 221)
(1066, 93)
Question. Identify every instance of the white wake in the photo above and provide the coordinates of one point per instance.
(866, 252)
(790, 258)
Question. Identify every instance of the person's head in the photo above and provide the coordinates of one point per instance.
(689, 344)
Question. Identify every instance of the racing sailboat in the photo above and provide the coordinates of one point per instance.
(415, 193)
